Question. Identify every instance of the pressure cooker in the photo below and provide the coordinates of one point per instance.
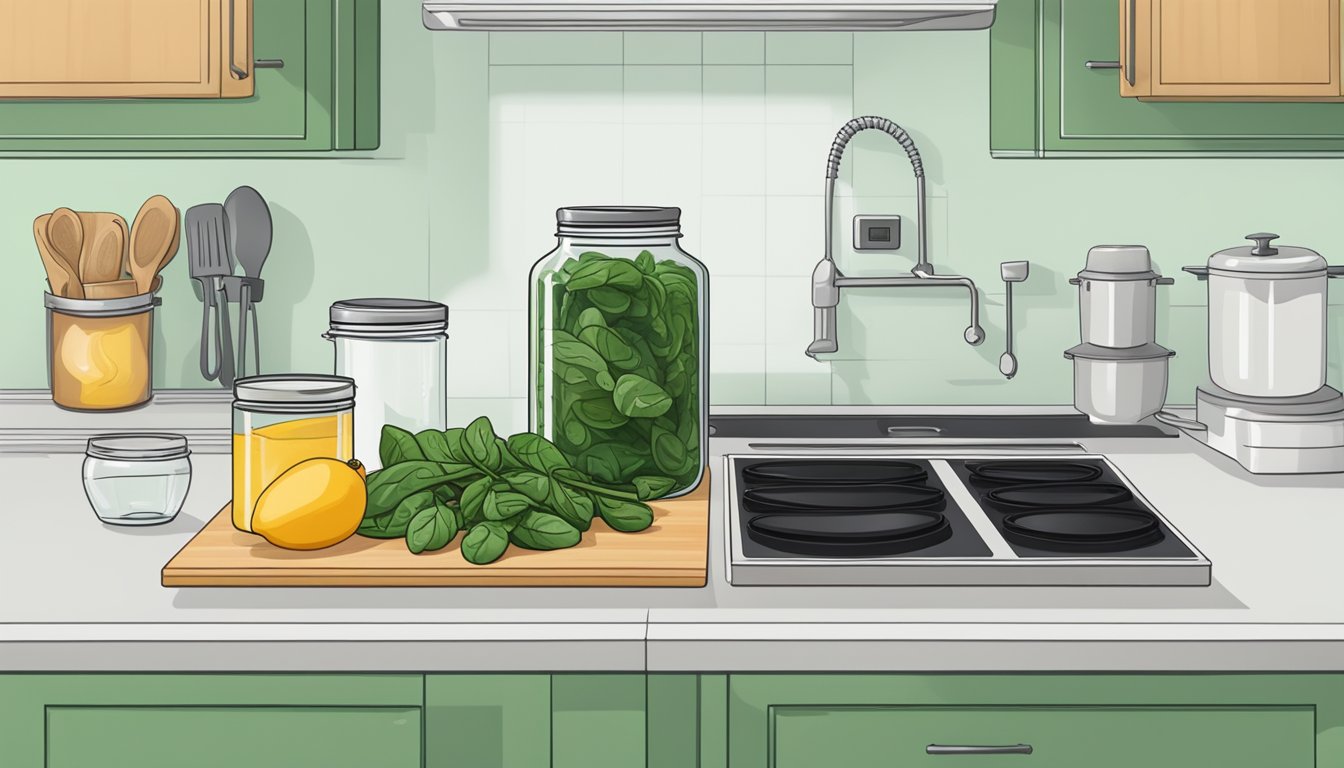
(1267, 318)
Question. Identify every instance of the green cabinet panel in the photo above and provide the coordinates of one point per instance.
(211, 720)
(782, 721)
(325, 97)
(488, 721)
(1100, 737)
(258, 737)
(1045, 103)
(598, 721)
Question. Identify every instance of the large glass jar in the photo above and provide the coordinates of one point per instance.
(620, 349)
(396, 350)
(281, 420)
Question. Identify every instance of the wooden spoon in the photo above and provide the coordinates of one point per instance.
(154, 240)
(59, 277)
(104, 248)
(118, 289)
(65, 234)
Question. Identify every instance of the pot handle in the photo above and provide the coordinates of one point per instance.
(1074, 281)
(1166, 281)
(1189, 425)
(1334, 271)
(1200, 272)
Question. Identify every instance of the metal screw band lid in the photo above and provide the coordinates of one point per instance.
(138, 446)
(636, 219)
(294, 392)
(388, 317)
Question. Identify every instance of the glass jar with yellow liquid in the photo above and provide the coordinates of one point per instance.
(281, 420)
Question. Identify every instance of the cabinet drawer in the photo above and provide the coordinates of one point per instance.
(1059, 737)
(260, 737)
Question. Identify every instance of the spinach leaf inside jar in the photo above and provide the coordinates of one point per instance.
(619, 378)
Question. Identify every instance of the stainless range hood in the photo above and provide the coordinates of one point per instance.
(843, 15)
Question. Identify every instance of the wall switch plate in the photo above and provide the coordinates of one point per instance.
(877, 233)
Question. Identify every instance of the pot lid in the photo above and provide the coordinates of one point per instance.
(1149, 351)
(1265, 259)
(1118, 262)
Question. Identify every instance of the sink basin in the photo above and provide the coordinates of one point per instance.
(1006, 427)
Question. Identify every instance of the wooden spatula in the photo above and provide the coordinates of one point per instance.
(105, 242)
(65, 235)
(154, 240)
(59, 276)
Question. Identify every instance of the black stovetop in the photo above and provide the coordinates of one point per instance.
(964, 541)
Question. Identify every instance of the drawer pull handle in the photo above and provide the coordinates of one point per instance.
(1101, 64)
(969, 749)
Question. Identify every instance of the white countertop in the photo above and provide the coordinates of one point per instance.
(78, 595)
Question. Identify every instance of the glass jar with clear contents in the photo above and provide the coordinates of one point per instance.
(281, 420)
(396, 350)
(137, 479)
(620, 349)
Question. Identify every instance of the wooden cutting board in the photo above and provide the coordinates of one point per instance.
(673, 552)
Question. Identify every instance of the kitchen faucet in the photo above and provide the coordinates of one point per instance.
(827, 279)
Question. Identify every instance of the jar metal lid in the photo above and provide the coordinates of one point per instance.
(129, 305)
(387, 317)
(586, 219)
(294, 393)
(138, 446)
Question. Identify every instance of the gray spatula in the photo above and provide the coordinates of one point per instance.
(208, 262)
(249, 228)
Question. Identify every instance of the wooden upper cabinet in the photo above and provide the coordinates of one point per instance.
(1233, 50)
(75, 49)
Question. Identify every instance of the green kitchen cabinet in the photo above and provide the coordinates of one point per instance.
(1100, 721)
(536, 721)
(1044, 101)
(261, 721)
(325, 97)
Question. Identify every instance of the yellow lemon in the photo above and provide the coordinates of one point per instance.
(313, 504)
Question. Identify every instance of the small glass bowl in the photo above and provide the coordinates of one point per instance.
(137, 479)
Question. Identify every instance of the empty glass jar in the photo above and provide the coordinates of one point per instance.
(620, 349)
(137, 479)
(396, 350)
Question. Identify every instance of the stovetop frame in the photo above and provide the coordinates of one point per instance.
(1002, 568)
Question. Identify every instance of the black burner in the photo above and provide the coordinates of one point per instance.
(874, 534)
(1077, 518)
(842, 498)
(1083, 530)
(850, 508)
(834, 472)
(1042, 495)
(1028, 471)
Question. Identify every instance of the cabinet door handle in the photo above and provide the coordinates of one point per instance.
(1101, 64)
(268, 64)
(237, 71)
(969, 749)
(1129, 60)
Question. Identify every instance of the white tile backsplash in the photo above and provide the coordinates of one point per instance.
(732, 230)
(733, 160)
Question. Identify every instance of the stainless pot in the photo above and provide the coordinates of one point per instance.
(1267, 315)
(1119, 386)
(1117, 296)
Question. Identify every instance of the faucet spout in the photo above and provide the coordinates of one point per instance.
(827, 279)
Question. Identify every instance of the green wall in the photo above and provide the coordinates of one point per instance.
(484, 135)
